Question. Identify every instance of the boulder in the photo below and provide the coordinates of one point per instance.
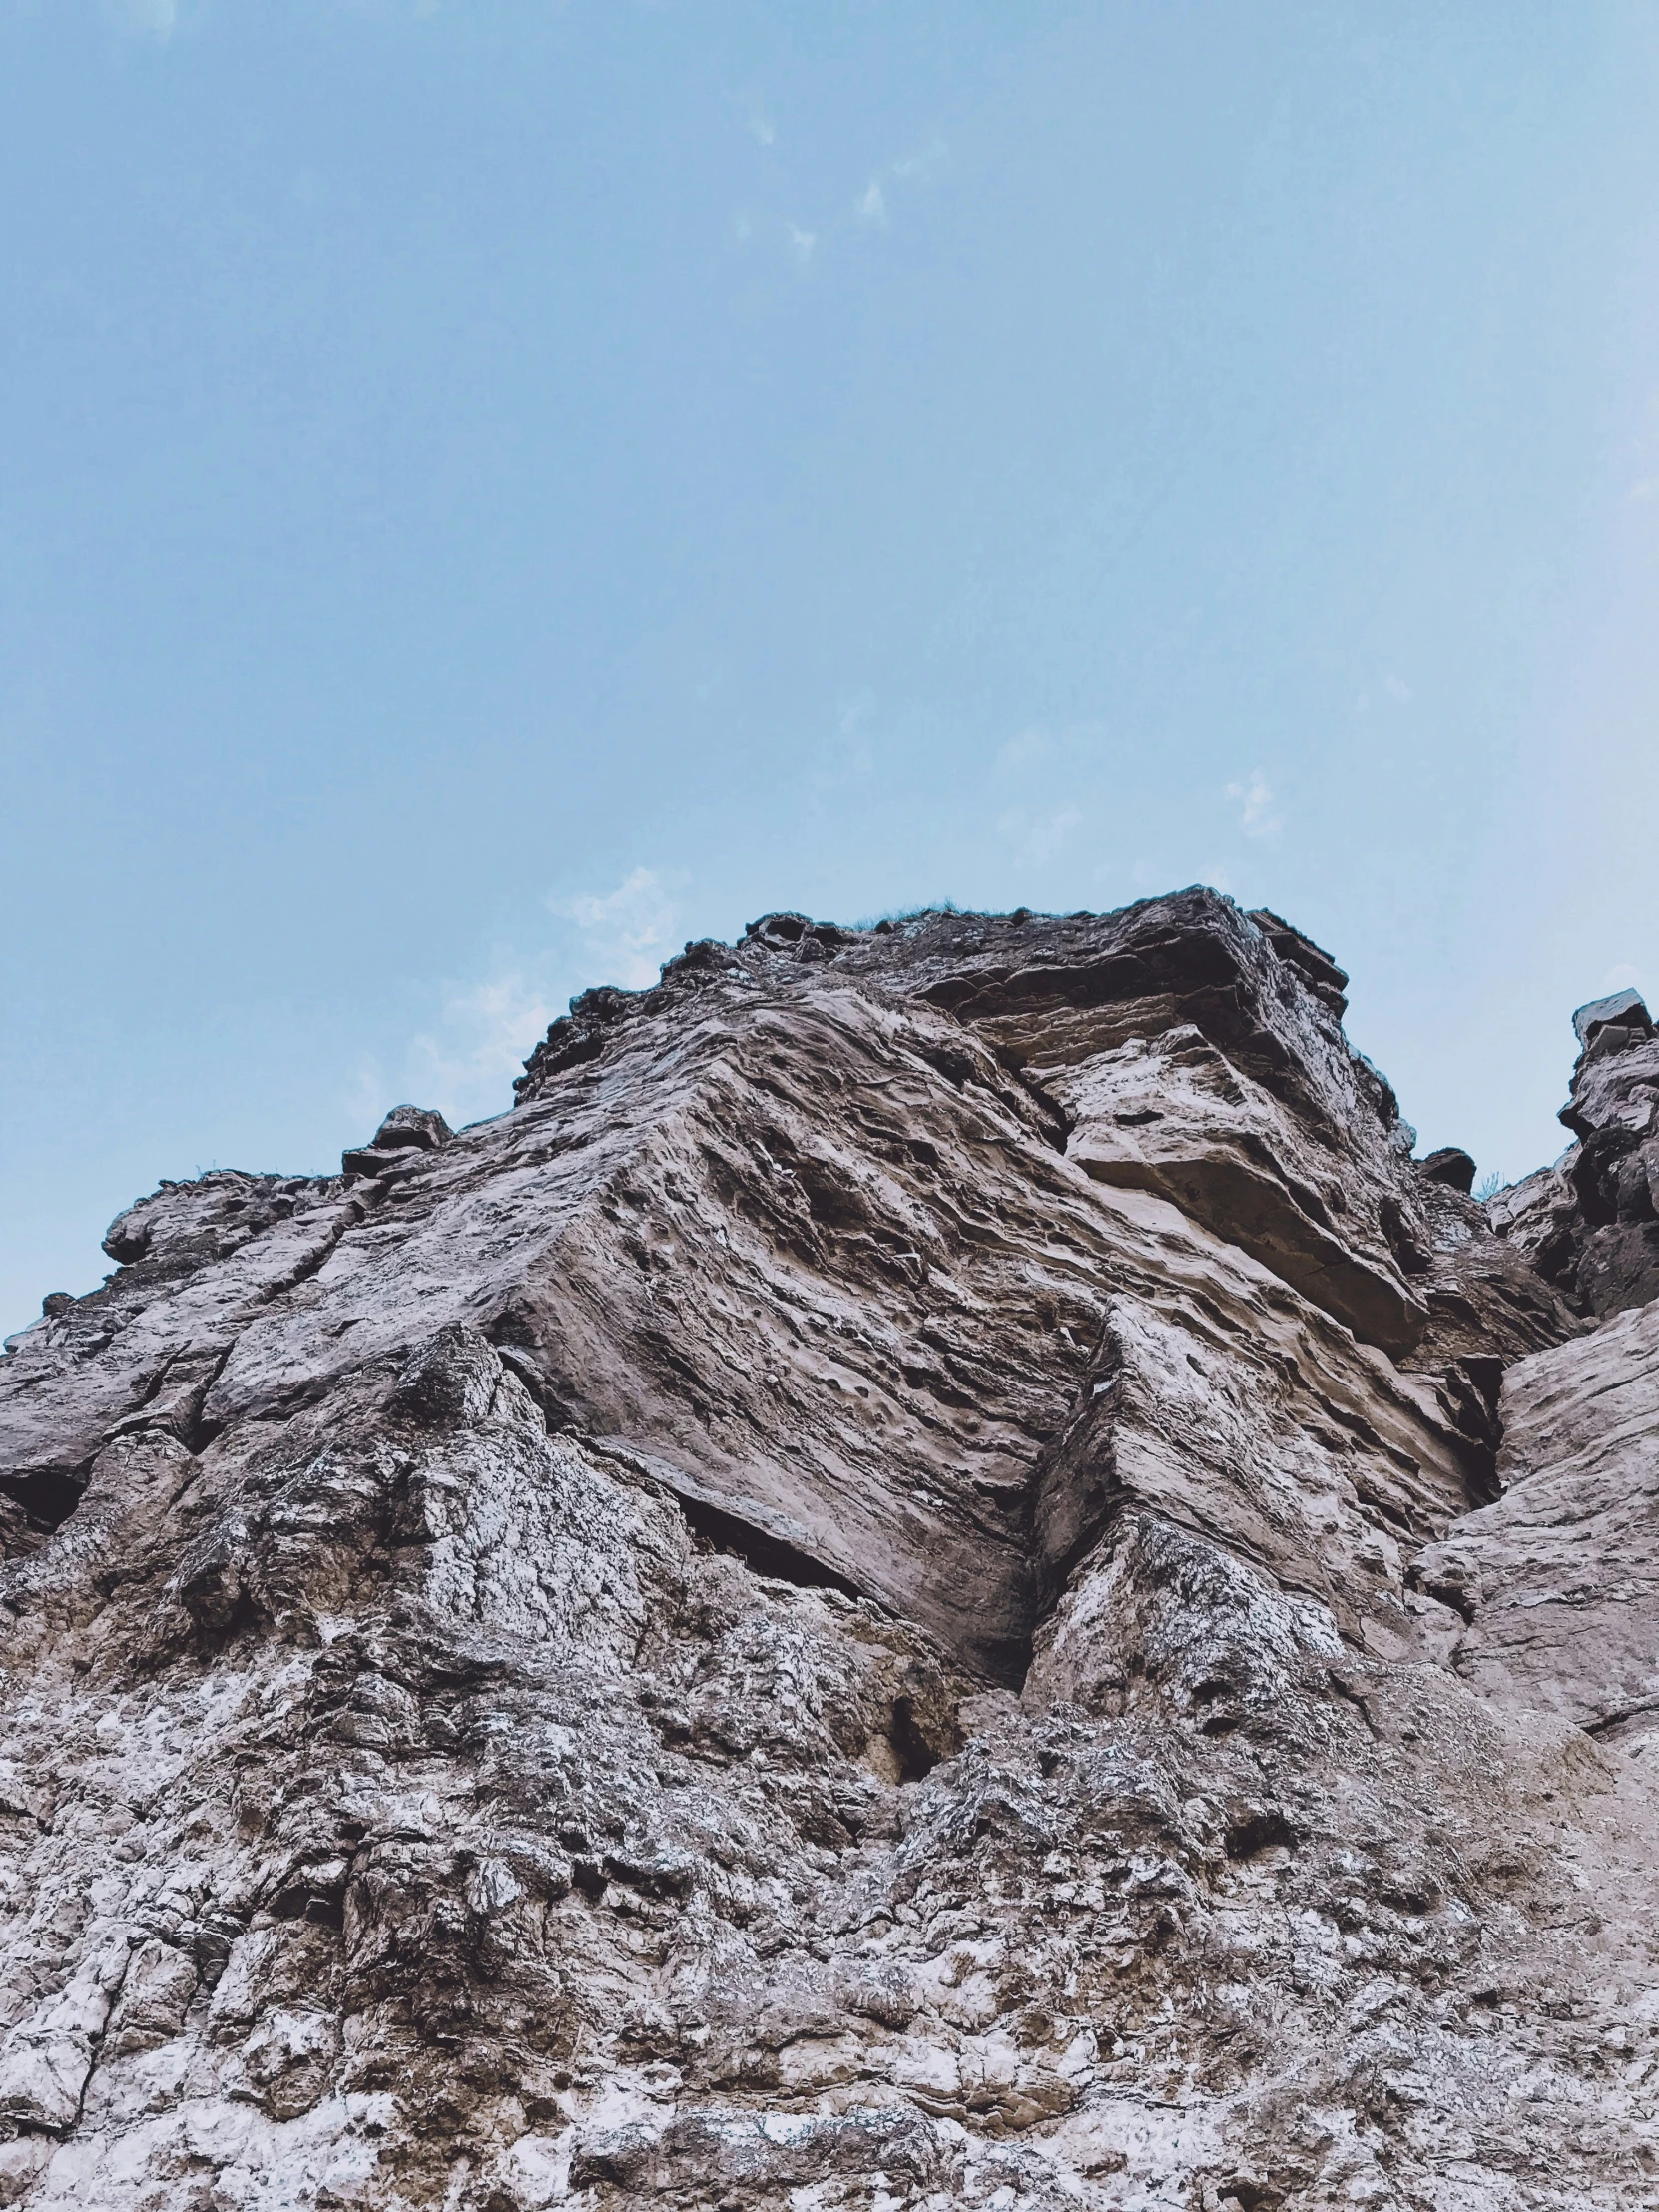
(1624, 1011)
(1451, 1166)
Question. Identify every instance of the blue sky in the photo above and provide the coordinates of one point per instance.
(492, 491)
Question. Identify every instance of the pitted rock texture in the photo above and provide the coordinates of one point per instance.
(940, 1573)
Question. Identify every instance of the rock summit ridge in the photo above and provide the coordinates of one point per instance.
(940, 1573)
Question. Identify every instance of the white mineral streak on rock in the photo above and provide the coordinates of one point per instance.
(910, 1586)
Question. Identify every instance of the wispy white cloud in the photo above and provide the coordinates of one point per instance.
(870, 208)
(1393, 686)
(365, 1097)
(153, 19)
(1036, 768)
(855, 728)
(466, 1064)
(1155, 878)
(1255, 799)
(393, 12)
(1024, 749)
(1624, 977)
(799, 242)
(1038, 836)
(626, 933)
(923, 166)
(846, 758)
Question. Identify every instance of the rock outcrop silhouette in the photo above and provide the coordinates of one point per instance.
(940, 1572)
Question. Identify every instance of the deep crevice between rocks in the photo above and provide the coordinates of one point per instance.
(768, 1555)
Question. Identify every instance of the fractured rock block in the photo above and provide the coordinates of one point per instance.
(47, 2057)
(1559, 1577)
(1169, 1114)
(1623, 1010)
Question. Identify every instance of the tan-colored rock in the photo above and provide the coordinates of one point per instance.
(1170, 1114)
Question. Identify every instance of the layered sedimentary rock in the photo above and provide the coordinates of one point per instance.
(938, 1573)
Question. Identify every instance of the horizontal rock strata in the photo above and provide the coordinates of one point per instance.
(938, 1573)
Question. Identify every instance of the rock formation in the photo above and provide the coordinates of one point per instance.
(940, 1573)
(1589, 1223)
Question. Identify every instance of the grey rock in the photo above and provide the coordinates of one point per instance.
(420, 1127)
(1623, 1010)
(1559, 1577)
(1329, 981)
(1590, 1224)
(405, 1130)
(1170, 1114)
(1451, 1166)
(937, 1574)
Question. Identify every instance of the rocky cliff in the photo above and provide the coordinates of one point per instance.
(938, 1573)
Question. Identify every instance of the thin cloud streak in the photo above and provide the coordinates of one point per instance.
(1256, 818)
(466, 1063)
(466, 1067)
(626, 934)
(921, 168)
(153, 19)
(1038, 839)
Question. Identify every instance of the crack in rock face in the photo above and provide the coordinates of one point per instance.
(938, 1574)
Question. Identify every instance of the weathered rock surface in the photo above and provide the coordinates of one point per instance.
(1590, 1223)
(937, 1574)
(1559, 1579)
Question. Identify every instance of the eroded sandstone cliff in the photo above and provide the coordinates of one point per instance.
(938, 1573)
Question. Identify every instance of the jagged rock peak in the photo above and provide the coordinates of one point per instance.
(938, 1574)
(1194, 946)
(1589, 1224)
(1624, 1011)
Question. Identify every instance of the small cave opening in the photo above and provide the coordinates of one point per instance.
(917, 1747)
(1260, 1830)
(36, 1503)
